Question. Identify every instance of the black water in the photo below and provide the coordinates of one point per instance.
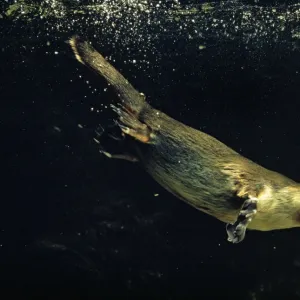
(76, 225)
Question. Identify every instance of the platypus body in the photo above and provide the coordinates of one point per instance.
(194, 166)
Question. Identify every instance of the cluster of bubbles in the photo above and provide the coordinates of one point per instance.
(142, 22)
(127, 22)
(252, 24)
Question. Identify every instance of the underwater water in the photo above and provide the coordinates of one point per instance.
(77, 225)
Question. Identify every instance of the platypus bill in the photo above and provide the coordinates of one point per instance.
(194, 166)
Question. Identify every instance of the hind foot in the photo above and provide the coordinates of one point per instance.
(237, 231)
(140, 135)
(123, 156)
(132, 126)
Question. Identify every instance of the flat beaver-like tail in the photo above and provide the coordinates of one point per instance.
(130, 98)
(132, 103)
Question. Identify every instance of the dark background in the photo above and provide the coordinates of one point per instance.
(76, 225)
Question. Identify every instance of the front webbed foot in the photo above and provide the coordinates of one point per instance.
(237, 231)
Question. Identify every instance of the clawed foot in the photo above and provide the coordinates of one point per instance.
(237, 231)
(131, 125)
(124, 156)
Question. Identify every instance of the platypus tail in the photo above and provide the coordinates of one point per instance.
(87, 55)
(132, 103)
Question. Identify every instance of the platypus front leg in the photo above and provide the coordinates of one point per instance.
(236, 232)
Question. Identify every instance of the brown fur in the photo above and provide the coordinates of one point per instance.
(195, 166)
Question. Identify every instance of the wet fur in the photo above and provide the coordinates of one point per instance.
(194, 166)
(213, 178)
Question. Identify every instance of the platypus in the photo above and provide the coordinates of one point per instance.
(194, 166)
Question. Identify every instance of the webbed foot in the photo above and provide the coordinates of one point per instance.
(131, 125)
(237, 231)
(124, 156)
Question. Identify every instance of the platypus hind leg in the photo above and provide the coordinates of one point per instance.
(131, 125)
(236, 232)
(124, 156)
